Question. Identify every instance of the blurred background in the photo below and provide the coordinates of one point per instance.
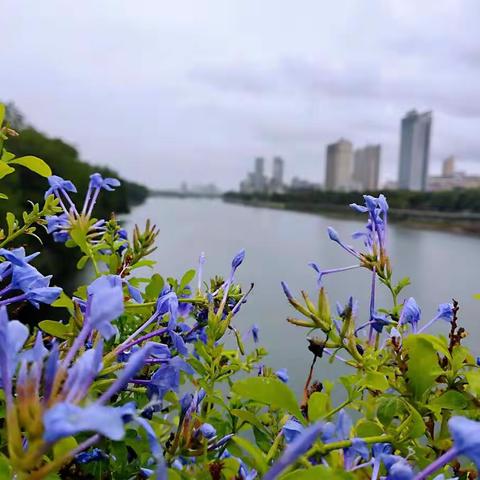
(228, 121)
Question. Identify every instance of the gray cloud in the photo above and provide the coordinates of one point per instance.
(167, 92)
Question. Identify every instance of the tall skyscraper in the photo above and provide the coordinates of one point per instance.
(339, 165)
(448, 167)
(366, 168)
(277, 176)
(414, 150)
(259, 181)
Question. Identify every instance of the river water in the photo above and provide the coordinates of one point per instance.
(280, 244)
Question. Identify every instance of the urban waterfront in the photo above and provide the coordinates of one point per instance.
(279, 246)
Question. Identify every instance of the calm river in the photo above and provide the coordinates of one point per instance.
(280, 244)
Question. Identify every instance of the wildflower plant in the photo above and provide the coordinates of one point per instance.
(153, 377)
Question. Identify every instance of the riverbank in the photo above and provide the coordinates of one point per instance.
(459, 222)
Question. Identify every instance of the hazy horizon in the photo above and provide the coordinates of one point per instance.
(170, 93)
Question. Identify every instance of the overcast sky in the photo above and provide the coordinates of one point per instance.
(194, 90)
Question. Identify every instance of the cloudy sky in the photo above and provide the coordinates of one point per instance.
(194, 90)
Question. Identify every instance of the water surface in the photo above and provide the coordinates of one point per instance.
(279, 246)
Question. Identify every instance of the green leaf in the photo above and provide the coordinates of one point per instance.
(5, 170)
(451, 400)
(82, 262)
(3, 196)
(54, 328)
(2, 113)
(317, 406)
(11, 224)
(5, 468)
(64, 446)
(173, 474)
(388, 408)
(34, 164)
(473, 379)
(269, 391)
(63, 301)
(256, 458)
(423, 366)
(186, 279)
(248, 417)
(375, 381)
(153, 289)
(367, 428)
(316, 473)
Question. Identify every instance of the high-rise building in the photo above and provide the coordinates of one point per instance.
(277, 174)
(414, 150)
(259, 181)
(339, 165)
(366, 167)
(448, 166)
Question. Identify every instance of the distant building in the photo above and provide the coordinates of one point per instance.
(255, 182)
(259, 180)
(300, 184)
(451, 179)
(276, 183)
(414, 150)
(366, 168)
(339, 165)
(448, 166)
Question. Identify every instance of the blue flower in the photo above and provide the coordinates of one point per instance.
(58, 184)
(298, 447)
(255, 331)
(466, 438)
(282, 374)
(82, 374)
(287, 291)
(59, 226)
(238, 259)
(105, 303)
(109, 184)
(13, 336)
(410, 313)
(92, 455)
(292, 429)
(208, 431)
(322, 273)
(167, 377)
(167, 302)
(445, 311)
(66, 419)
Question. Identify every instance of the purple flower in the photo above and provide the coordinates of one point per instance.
(92, 455)
(410, 313)
(298, 447)
(105, 303)
(282, 374)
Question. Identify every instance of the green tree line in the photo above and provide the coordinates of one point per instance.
(460, 200)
